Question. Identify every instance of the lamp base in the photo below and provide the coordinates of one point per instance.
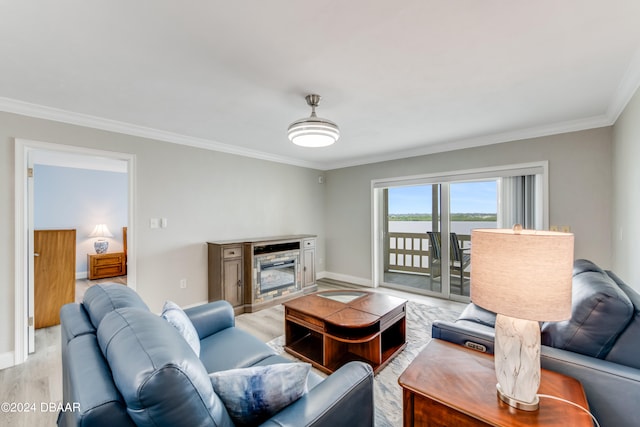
(101, 246)
(518, 404)
(517, 361)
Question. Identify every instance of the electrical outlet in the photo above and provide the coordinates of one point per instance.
(183, 283)
(154, 222)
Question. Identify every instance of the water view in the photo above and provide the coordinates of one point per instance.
(460, 227)
(472, 205)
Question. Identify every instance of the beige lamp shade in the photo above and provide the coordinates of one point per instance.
(523, 274)
(101, 230)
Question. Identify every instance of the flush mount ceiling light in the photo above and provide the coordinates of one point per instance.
(313, 131)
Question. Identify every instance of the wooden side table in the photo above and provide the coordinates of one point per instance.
(106, 265)
(450, 385)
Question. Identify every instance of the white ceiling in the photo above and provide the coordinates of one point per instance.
(400, 78)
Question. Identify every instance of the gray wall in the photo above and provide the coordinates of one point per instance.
(205, 195)
(579, 180)
(626, 193)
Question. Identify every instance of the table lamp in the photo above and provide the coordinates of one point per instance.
(524, 276)
(101, 231)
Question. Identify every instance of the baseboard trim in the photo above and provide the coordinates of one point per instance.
(82, 275)
(346, 278)
(6, 360)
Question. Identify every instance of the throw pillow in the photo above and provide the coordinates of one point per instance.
(179, 320)
(252, 395)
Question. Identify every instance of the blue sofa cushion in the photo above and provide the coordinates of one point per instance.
(627, 347)
(177, 318)
(252, 395)
(477, 314)
(241, 350)
(165, 383)
(100, 300)
(584, 265)
(600, 311)
(78, 322)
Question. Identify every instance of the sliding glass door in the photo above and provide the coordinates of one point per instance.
(412, 219)
(471, 205)
(422, 225)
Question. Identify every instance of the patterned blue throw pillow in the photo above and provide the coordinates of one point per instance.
(173, 314)
(252, 395)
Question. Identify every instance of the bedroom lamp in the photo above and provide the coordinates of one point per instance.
(524, 276)
(101, 231)
(313, 131)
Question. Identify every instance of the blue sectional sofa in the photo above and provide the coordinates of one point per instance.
(599, 345)
(125, 366)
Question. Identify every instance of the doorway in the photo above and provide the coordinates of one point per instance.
(27, 152)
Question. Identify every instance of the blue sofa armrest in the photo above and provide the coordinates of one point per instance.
(612, 390)
(211, 318)
(92, 397)
(345, 398)
(469, 334)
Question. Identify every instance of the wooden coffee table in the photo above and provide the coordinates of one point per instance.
(331, 328)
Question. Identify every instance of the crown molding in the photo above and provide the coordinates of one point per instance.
(498, 138)
(628, 86)
(79, 119)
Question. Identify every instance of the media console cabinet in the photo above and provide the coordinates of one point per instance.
(258, 273)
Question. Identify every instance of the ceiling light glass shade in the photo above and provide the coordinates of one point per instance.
(313, 131)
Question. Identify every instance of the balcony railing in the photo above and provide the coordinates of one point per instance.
(410, 252)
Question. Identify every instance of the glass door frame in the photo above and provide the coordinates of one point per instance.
(379, 230)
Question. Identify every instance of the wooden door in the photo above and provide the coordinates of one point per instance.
(54, 273)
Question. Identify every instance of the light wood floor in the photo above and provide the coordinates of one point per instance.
(39, 380)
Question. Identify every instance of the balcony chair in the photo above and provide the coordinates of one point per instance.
(434, 253)
(459, 260)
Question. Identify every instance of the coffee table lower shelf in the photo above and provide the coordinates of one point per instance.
(328, 353)
(307, 348)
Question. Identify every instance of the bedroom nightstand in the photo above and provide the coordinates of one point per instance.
(450, 385)
(111, 264)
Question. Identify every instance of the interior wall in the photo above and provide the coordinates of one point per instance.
(205, 195)
(579, 180)
(66, 198)
(626, 197)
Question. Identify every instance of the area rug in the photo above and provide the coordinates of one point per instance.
(387, 392)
